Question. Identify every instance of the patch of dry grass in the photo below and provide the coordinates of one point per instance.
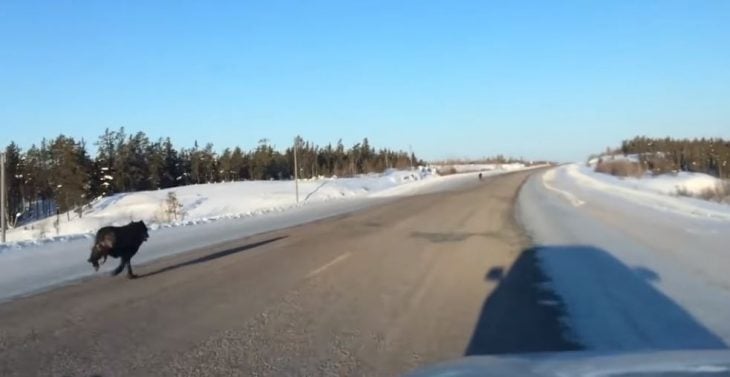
(446, 170)
(660, 165)
(719, 193)
(620, 168)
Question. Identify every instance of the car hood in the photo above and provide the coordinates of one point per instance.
(711, 363)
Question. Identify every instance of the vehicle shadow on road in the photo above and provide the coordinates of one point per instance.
(523, 314)
(213, 256)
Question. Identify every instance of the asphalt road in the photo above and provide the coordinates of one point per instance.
(378, 292)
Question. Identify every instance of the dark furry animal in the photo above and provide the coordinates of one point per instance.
(118, 242)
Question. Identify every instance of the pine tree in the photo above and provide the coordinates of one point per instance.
(103, 172)
(69, 177)
(208, 164)
(224, 166)
(184, 168)
(261, 161)
(131, 164)
(155, 164)
(35, 180)
(239, 169)
(86, 164)
(171, 169)
(14, 170)
(196, 172)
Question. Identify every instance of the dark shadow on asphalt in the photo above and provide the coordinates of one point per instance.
(213, 256)
(447, 237)
(523, 315)
(495, 274)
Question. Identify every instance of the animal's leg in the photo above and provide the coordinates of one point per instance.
(119, 268)
(130, 274)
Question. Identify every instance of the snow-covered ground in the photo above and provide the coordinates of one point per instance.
(637, 267)
(207, 202)
(240, 210)
(669, 184)
(470, 168)
(614, 157)
(655, 192)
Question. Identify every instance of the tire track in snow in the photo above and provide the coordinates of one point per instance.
(548, 177)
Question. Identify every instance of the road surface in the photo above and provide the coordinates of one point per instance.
(378, 292)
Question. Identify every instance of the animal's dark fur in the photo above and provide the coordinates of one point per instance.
(118, 242)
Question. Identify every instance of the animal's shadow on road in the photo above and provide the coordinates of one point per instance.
(523, 314)
(213, 256)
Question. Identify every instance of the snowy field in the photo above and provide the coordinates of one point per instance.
(205, 203)
(643, 191)
(215, 213)
(470, 168)
(637, 266)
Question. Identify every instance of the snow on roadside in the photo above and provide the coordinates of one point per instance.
(635, 268)
(614, 157)
(470, 168)
(668, 184)
(204, 203)
(657, 192)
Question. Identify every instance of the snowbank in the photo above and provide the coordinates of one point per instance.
(669, 184)
(469, 168)
(205, 203)
(656, 191)
(614, 157)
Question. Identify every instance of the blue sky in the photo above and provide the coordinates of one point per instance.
(542, 79)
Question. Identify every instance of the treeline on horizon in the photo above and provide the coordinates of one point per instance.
(496, 159)
(60, 171)
(663, 155)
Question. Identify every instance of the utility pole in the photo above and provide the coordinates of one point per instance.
(296, 167)
(3, 210)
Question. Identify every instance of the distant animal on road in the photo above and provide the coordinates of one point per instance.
(118, 242)
(480, 176)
